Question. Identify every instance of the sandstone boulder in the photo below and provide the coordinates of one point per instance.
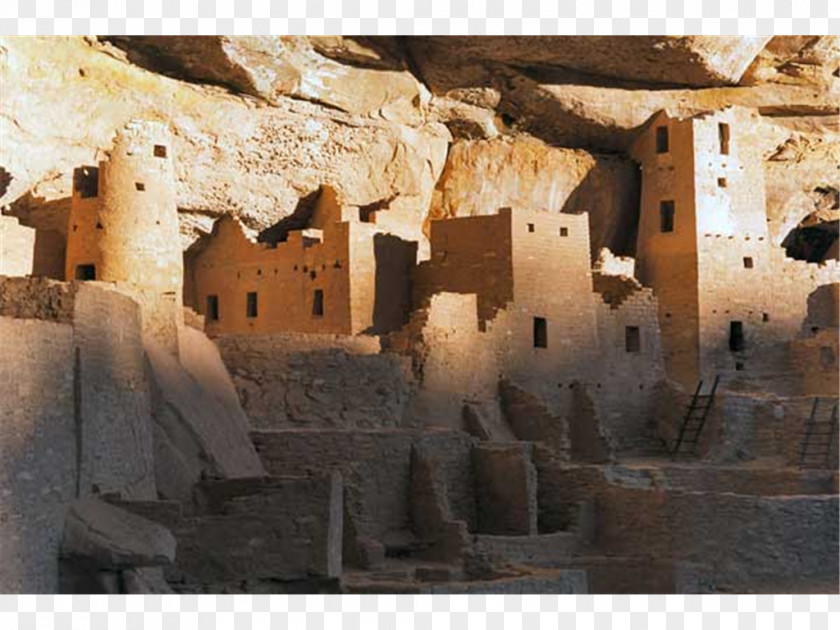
(522, 172)
(233, 154)
(271, 67)
(694, 61)
(111, 538)
(199, 432)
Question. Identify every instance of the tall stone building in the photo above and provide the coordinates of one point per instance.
(124, 227)
(729, 299)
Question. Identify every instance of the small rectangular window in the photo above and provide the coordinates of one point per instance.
(721, 182)
(140, 186)
(160, 151)
(666, 216)
(213, 308)
(723, 137)
(748, 262)
(318, 303)
(736, 336)
(662, 139)
(564, 231)
(86, 272)
(531, 227)
(632, 339)
(540, 332)
(251, 308)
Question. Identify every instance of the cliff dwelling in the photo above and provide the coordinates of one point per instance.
(388, 338)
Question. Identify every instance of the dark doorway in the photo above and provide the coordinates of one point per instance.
(736, 336)
(252, 305)
(213, 308)
(86, 272)
(318, 303)
(666, 216)
(662, 139)
(540, 332)
(632, 339)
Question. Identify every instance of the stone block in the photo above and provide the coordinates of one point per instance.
(371, 554)
(108, 537)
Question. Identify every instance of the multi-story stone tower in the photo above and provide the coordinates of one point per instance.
(124, 227)
(726, 295)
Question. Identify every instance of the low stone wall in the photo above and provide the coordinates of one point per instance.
(544, 550)
(319, 381)
(268, 528)
(786, 538)
(376, 467)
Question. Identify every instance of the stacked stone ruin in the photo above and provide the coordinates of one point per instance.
(335, 407)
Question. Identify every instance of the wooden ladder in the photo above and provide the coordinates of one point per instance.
(695, 418)
(819, 440)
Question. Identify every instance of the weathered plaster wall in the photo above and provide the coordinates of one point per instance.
(17, 247)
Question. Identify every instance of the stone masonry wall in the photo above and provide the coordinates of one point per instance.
(328, 381)
(376, 468)
(38, 450)
(76, 415)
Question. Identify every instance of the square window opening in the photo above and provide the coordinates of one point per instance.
(564, 231)
(251, 306)
(662, 139)
(160, 151)
(318, 303)
(632, 339)
(540, 332)
(140, 186)
(748, 262)
(213, 308)
(721, 182)
(765, 317)
(85, 272)
(736, 337)
(531, 227)
(666, 216)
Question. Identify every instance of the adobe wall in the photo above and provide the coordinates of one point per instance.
(112, 395)
(376, 468)
(17, 247)
(218, 546)
(469, 255)
(667, 261)
(506, 489)
(625, 387)
(76, 414)
(327, 381)
(634, 517)
(452, 361)
(124, 221)
(736, 206)
(778, 301)
(815, 361)
(38, 454)
(552, 280)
